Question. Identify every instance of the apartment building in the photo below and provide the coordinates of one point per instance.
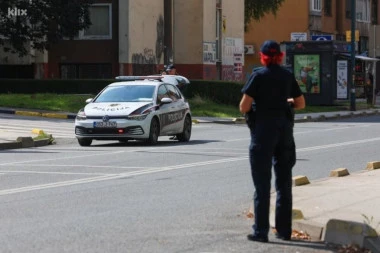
(204, 39)
(314, 17)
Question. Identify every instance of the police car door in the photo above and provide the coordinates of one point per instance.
(164, 111)
(178, 106)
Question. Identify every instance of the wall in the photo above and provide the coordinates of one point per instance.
(293, 16)
(13, 59)
(233, 40)
(329, 23)
(146, 36)
(209, 40)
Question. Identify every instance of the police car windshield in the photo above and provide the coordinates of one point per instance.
(127, 93)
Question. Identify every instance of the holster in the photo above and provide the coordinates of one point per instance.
(290, 113)
(250, 118)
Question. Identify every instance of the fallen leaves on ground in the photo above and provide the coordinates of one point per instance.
(352, 248)
(297, 235)
(249, 215)
(300, 235)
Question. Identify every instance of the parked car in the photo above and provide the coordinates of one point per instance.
(135, 108)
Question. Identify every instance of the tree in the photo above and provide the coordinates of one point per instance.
(256, 9)
(40, 23)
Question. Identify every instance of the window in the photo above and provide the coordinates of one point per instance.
(101, 19)
(315, 5)
(363, 44)
(363, 10)
(173, 93)
(162, 93)
(126, 93)
(327, 8)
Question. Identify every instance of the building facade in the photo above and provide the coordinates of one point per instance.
(204, 39)
(314, 17)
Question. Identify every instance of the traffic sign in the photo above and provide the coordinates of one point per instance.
(322, 37)
(298, 36)
(348, 35)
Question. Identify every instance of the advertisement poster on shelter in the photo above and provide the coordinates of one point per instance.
(341, 78)
(307, 73)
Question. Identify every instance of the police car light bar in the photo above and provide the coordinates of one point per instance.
(134, 78)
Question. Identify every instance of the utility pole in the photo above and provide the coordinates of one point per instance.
(353, 49)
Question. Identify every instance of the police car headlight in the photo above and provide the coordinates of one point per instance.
(137, 117)
(81, 115)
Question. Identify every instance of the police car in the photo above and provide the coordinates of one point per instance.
(135, 108)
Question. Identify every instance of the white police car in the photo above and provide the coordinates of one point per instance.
(135, 108)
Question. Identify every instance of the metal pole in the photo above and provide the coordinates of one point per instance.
(352, 83)
(374, 41)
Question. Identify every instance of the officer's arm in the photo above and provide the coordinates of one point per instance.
(245, 103)
(299, 102)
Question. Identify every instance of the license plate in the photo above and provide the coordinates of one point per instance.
(108, 124)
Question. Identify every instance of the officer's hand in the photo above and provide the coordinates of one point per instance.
(291, 100)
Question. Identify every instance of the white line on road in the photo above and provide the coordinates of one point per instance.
(111, 177)
(62, 158)
(53, 172)
(154, 170)
(337, 144)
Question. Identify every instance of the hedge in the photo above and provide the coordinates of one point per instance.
(218, 91)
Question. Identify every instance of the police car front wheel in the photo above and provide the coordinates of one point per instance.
(84, 142)
(186, 133)
(154, 131)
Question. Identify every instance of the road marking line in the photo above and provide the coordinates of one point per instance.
(156, 170)
(79, 165)
(337, 144)
(111, 177)
(54, 172)
(62, 158)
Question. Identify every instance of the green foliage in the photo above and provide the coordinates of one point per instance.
(222, 92)
(43, 23)
(44, 135)
(256, 9)
(59, 86)
(201, 106)
(370, 222)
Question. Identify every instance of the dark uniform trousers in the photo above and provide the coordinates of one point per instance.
(272, 143)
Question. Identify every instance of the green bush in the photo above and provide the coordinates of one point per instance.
(58, 86)
(219, 91)
(223, 92)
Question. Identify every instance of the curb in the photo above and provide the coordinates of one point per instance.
(237, 120)
(337, 116)
(24, 142)
(39, 114)
(335, 231)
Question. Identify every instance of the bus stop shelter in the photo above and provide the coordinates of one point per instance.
(370, 67)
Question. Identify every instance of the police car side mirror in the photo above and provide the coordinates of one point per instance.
(89, 100)
(166, 100)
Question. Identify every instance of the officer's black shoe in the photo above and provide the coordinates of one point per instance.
(285, 238)
(257, 238)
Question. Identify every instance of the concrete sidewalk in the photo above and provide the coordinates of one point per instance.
(340, 209)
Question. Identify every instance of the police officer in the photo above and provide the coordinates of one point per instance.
(266, 97)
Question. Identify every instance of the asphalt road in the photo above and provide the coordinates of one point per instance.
(173, 197)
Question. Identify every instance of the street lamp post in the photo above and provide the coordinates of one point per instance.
(353, 28)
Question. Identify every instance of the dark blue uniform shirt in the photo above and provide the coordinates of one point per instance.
(270, 87)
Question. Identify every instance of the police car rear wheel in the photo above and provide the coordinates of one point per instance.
(185, 135)
(85, 142)
(154, 132)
